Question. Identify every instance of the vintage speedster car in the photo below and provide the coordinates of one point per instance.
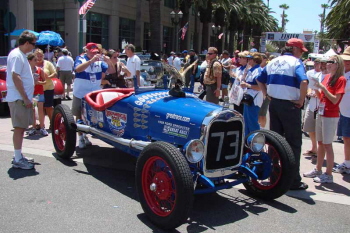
(184, 146)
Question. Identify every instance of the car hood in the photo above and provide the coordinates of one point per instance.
(175, 118)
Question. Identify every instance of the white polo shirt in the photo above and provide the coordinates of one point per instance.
(133, 64)
(345, 101)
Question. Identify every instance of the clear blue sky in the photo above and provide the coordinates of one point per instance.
(302, 14)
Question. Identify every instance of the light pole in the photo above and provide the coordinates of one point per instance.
(80, 27)
(175, 20)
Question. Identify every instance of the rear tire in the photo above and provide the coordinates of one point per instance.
(63, 134)
(283, 164)
(164, 185)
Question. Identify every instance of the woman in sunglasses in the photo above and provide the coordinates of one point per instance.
(330, 93)
(116, 79)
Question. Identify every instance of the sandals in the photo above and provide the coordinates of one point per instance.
(309, 152)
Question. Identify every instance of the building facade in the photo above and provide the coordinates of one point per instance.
(109, 22)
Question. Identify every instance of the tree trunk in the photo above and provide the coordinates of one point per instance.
(205, 35)
(231, 42)
(155, 26)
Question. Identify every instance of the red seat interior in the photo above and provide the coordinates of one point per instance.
(102, 99)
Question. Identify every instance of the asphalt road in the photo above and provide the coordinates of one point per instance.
(83, 195)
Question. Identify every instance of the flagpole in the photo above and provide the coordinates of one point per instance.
(80, 29)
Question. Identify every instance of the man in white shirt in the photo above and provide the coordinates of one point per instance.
(133, 64)
(20, 89)
(64, 67)
(177, 61)
(171, 59)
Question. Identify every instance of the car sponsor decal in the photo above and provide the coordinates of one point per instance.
(138, 102)
(175, 129)
(100, 124)
(116, 121)
(177, 117)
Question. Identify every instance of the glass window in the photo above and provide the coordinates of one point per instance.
(147, 37)
(51, 20)
(97, 29)
(170, 3)
(126, 31)
(167, 39)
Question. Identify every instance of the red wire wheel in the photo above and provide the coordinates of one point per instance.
(63, 135)
(164, 184)
(282, 167)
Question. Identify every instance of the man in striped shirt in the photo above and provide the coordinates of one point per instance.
(284, 81)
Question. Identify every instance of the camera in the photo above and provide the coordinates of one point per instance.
(102, 58)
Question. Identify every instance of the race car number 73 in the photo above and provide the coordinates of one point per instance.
(233, 144)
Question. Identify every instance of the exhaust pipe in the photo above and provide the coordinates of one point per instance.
(131, 143)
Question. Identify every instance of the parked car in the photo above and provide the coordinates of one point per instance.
(184, 146)
(58, 92)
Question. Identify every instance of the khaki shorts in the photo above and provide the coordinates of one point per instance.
(76, 107)
(21, 116)
(325, 128)
(309, 121)
(66, 77)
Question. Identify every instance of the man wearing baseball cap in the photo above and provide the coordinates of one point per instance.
(89, 71)
(284, 81)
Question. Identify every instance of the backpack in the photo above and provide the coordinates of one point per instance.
(225, 78)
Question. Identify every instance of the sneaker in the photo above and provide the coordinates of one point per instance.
(31, 132)
(312, 174)
(23, 164)
(324, 178)
(341, 168)
(87, 141)
(30, 160)
(82, 144)
(44, 132)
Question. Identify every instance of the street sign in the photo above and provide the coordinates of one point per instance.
(9, 22)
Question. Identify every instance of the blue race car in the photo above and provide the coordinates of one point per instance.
(184, 146)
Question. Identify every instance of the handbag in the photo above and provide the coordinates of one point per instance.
(248, 99)
(236, 93)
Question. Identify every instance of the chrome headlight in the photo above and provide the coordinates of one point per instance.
(256, 142)
(194, 151)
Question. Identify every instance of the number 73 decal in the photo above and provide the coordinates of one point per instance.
(233, 145)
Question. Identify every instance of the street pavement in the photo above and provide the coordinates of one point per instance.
(95, 192)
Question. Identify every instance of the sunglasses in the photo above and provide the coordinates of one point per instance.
(331, 62)
(211, 53)
(31, 43)
(114, 57)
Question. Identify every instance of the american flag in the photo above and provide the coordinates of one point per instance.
(86, 7)
(184, 30)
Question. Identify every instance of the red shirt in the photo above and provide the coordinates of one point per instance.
(39, 89)
(332, 110)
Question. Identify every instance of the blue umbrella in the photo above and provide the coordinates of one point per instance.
(18, 32)
(49, 38)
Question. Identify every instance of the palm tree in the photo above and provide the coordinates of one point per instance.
(324, 6)
(337, 20)
(284, 7)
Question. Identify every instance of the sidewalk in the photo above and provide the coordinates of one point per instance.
(339, 190)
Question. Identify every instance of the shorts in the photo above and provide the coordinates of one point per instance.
(48, 94)
(21, 116)
(210, 95)
(39, 98)
(264, 107)
(344, 126)
(66, 77)
(76, 107)
(309, 121)
(325, 129)
(224, 86)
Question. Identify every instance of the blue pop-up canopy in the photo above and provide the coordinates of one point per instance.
(18, 32)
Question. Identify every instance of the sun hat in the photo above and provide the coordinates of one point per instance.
(346, 54)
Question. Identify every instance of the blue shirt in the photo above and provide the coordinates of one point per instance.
(283, 76)
(90, 79)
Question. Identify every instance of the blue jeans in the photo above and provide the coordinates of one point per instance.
(251, 116)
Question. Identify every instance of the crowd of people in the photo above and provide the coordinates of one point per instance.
(253, 81)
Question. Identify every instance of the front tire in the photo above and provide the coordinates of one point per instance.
(282, 167)
(64, 135)
(164, 185)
